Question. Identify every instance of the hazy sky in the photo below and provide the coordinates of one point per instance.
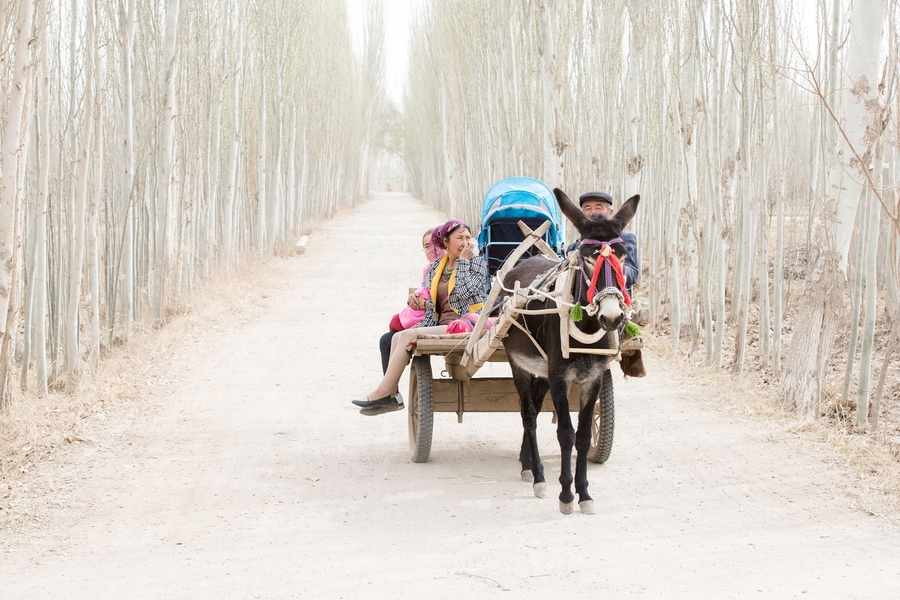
(398, 15)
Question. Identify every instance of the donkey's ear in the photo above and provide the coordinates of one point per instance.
(626, 213)
(572, 212)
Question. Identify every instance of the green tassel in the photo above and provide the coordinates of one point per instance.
(576, 313)
(631, 330)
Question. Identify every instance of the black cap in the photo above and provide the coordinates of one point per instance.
(602, 196)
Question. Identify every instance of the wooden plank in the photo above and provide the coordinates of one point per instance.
(496, 286)
(487, 395)
(490, 342)
(441, 344)
(527, 243)
(543, 246)
(564, 285)
(446, 395)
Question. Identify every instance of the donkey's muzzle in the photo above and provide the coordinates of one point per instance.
(610, 314)
(611, 322)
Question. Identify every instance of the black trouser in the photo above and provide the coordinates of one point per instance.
(384, 344)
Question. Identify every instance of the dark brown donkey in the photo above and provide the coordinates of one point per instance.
(602, 299)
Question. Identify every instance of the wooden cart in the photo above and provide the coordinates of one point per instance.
(465, 353)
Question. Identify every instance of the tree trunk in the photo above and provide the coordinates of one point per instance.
(262, 198)
(235, 146)
(553, 144)
(803, 381)
(165, 159)
(868, 337)
(82, 170)
(94, 237)
(10, 196)
(127, 255)
(39, 316)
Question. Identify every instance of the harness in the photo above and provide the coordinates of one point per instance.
(611, 266)
(558, 279)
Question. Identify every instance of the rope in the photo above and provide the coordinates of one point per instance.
(533, 341)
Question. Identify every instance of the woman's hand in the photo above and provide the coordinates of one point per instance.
(469, 251)
(416, 302)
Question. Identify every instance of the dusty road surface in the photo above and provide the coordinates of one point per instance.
(250, 475)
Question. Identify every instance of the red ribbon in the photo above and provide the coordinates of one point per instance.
(606, 254)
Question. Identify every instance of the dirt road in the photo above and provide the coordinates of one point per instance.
(250, 475)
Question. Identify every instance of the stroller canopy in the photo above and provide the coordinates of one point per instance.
(521, 198)
(508, 202)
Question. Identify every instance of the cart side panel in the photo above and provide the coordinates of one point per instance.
(486, 394)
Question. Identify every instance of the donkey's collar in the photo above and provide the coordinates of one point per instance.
(590, 242)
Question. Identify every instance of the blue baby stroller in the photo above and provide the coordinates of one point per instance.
(512, 200)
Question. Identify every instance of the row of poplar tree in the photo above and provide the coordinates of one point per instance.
(147, 144)
(761, 135)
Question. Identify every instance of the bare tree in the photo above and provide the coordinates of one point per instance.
(21, 84)
(803, 379)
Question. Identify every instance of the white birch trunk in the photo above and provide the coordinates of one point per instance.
(94, 235)
(778, 275)
(448, 161)
(10, 196)
(291, 200)
(633, 152)
(235, 146)
(855, 302)
(39, 314)
(261, 166)
(165, 159)
(127, 257)
(29, 253)
(802, 385)
(304, 174)
(553, 146)
(212, 188)
(868, 337)
(82, 170)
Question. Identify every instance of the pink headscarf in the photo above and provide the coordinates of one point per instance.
(432, 250)
(440, 233)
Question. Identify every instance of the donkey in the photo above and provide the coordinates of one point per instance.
(533, 374)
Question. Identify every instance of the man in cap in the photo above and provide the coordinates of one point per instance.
(599, 205)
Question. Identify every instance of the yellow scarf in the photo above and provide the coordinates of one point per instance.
(450, 285)
(437, 279)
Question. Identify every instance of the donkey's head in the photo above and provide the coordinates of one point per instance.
(604, 292)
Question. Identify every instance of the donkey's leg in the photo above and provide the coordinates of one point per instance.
(565, 434)
(583, 444)
(531, 395)
(525, 454)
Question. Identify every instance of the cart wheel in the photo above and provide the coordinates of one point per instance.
(421, 409)
(603, 423)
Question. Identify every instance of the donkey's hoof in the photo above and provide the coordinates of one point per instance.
(587, 507)
(540, 489)
(527, 475)
(566, 508)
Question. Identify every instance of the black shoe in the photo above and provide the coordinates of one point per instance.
(381, 406)
(364, 402)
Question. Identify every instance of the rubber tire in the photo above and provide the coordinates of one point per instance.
(603, 422)
(421, 409)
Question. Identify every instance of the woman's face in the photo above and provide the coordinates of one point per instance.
(458, 241)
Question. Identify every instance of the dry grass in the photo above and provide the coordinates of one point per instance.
(868, 461)
(33, 427)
